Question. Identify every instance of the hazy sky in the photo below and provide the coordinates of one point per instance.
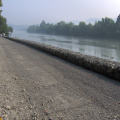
(21, 12)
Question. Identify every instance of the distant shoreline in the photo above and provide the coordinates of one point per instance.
(106, 28)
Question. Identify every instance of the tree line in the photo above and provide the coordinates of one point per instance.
(106, 28)
(4, 28)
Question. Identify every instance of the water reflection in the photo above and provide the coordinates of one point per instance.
(103, 48)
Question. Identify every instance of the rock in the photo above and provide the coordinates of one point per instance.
(21, 109)
(22, 101)
(46, 113)
(30, 107)
(23, 90)
(50, 119)
(7, 107)
(34, 117)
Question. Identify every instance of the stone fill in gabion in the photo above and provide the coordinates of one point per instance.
(99, 65)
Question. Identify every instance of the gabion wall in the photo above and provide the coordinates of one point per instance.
(99, 65)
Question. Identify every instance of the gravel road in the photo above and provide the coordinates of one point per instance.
(37, 86)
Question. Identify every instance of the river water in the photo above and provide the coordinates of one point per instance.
(102, 48)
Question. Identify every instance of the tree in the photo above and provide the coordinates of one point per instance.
(105, 28)
(0, 3)
(4, 28)
(118, 27)
(0, 6)
(60, 27)
(82, 28)
(43, 26)
(90, 29)
(118, 20)
(118, 23)
(33, 29)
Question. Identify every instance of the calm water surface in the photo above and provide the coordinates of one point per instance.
(103, 48)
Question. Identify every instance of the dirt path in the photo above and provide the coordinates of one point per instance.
(38, 86)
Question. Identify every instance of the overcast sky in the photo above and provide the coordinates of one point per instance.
(29, 12)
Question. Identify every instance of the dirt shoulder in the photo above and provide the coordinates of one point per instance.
(37, 86)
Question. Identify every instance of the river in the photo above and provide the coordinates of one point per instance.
(102, 48)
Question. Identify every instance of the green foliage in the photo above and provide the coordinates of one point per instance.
(0, 6)
(106, 28)
(3, 26)
(0, 3)
(118, 26)
(118, 21)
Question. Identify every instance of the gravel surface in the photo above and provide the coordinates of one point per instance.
(37, 86)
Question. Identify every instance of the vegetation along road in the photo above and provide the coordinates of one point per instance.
(37, 86)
